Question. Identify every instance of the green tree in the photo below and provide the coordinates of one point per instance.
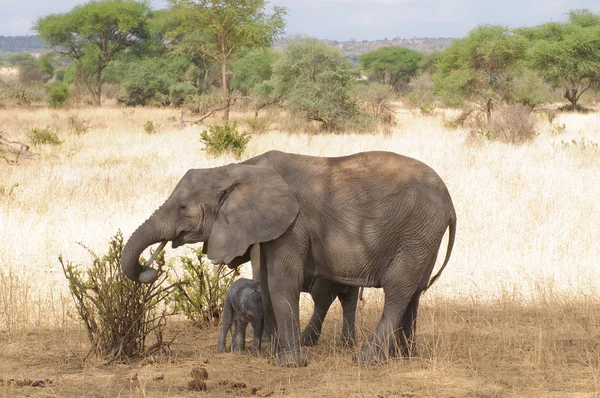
(149, 80)
(316, 80)
(252, 69)
(567, 55)
(218, 29)
(478, 67)
(394, 66)
(93, 34)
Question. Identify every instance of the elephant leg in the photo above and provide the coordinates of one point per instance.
(401, 283)
(265, 295)
(257, 326)
(349, 301)
(323, 296)
(405, 337)
(239, 342)
(285, 277)
(226, 326)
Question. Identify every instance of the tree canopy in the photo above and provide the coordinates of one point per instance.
(316, 80)
(478, 67)
(93, 34)
(218, 29)
(567, 54)
(394, 66)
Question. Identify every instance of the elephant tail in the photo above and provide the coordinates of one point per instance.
(451, 235)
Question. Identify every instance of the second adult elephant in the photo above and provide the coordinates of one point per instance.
(373, 219)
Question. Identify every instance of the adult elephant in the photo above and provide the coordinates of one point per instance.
(373, 219)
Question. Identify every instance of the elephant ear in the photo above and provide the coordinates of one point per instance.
(258, 206)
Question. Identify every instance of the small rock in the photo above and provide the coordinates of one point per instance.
(197, 385)
(38, 383)
(159, 378)
(238, 384)
(199, 373)
(265, 392)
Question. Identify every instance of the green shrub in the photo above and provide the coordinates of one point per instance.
(258, 124)
(57, 93)
(179, 92)
(202, 289)
(225, 138)
(118, 314)
(149, 127)
(43, 136)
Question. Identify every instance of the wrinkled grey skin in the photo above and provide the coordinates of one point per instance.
(243, 305)
(373, 219)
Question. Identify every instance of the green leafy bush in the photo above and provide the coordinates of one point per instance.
(118, 314)
(43, 136)
(225, 138)
(57, 93)
(202, 289)
(149, 127)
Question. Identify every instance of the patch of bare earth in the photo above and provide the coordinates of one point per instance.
(466, 350)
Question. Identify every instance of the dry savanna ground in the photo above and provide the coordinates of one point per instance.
(516, 312)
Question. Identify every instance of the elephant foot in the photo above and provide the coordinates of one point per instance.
(371, 354)
(290, 360)
(253, 350)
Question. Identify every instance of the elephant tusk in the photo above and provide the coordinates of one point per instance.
(149, 274)
(155, 254)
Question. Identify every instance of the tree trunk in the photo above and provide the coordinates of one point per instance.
(98, 94)
(571, 95)
(225, 90)
(488, 110)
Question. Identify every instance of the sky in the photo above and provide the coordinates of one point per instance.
(354, 19)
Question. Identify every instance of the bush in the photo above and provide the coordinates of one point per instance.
(149, 127)
(57, 93)
(119, 314)
(43, 136)
(202, 289)
(258, 124)
(514, 124)
(179, 92)
(224, 138)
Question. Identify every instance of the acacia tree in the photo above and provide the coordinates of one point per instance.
(93, 34)
(478, 67)
(218, 29)
(394, 66)
(317, 81)
(567, 55)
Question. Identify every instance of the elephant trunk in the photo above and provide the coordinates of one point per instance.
(146, 235)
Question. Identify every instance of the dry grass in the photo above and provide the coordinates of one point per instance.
(515, 313)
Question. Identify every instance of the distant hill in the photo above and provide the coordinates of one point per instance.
(354, 48)
(351, 48)
(20, 44)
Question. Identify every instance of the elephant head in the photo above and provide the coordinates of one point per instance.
(229, 208)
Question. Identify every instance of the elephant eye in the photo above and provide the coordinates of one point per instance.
(182, 207)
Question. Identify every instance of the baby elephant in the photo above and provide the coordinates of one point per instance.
(242, 305)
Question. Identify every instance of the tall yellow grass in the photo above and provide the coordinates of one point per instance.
(515, 312)
(528, 216)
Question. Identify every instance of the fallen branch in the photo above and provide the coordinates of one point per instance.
(12, 151)
(227, 103)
